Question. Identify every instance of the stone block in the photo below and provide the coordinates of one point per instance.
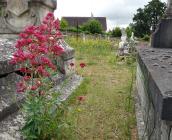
(6, 50)
(161, 38)
(66, 59)
(154, 88)
(9, 99)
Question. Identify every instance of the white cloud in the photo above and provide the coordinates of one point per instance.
(118, 12)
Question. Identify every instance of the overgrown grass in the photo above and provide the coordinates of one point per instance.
(108, 111)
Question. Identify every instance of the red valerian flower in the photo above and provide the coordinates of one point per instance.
(34, 48)
(71, 64)
(42, 71)
(57, 50)
(21, 87)
(30, 30)
(81, 98)
(35, 87)
(82, 65)
(56, 24)
(25, 70)
(27, 78)
(23, 35)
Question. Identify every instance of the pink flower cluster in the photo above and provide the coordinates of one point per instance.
(35, 49)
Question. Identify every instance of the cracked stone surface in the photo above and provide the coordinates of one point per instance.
(9, 128)
(6, 51)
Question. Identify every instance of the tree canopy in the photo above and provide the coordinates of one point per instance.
(63, 24)
(93, 26)
(116, 32)
(147, 18)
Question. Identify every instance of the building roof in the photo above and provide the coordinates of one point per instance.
(74, 21)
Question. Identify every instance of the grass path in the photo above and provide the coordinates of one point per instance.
(106, 113)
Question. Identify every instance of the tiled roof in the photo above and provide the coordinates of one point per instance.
(74, 21)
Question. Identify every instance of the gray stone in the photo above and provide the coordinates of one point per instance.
(169, 8)
(9, 99)
(161, 38)
(17, 14)
(6, 51)
(154, 95)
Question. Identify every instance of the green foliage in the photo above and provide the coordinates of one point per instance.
(45, 118)
(129, 31)
(116, 32)
(93, 26)
(108, 97)
(63, 24)
(74, 30)
(146, 19)
(146, 38)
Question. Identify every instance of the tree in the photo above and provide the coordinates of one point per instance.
(129, 31)
(146, 19)
(93, 26)
(63, 24)
(116, 32)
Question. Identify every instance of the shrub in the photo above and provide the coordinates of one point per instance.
(93, 26)
(128, 31)
(63, 24)
(146, 38)
(116, 32)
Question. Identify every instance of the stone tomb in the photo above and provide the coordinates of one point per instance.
(154, 83)
(16, 14)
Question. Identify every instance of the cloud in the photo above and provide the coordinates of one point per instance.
(117, 12)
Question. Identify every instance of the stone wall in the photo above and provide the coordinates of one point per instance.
(9, 100)
(154, 94)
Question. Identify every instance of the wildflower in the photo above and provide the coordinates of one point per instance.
(57, 50)
(35, 87)
(26, 78)
(71, 64)
(79, 110)
(81, 98)
(82, 65)
(21, 87)
(23, 35)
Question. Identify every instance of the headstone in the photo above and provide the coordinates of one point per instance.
(83, 37)
(123, 45)
(162, 37)
(17, 14)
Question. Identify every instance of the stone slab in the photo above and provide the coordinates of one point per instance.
(9, 127)
(9, 99)
(6, 50)
(156, 66)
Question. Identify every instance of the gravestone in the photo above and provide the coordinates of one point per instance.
(17, 14)
(161, 38)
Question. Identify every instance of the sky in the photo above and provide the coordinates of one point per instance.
(118, 12)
